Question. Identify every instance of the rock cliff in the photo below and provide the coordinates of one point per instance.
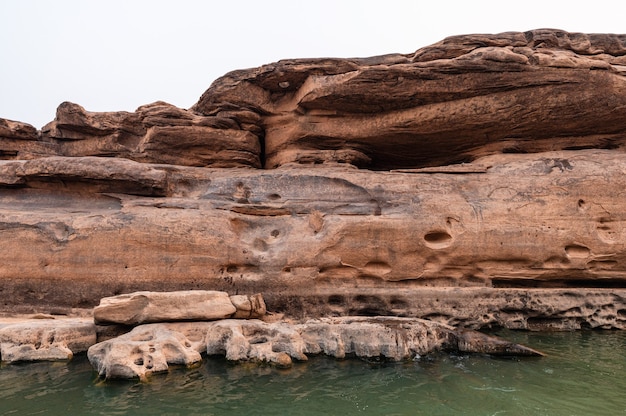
(478, 181)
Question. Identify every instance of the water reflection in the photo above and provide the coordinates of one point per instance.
(584, 373)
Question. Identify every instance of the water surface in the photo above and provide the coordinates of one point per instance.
(584, 373)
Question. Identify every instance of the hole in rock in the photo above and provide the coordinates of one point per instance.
(273, 197)
(559, 283)
(372, 311)
(275, 233)
(335, 299)
(575, 251)
(438, 239)
(398, 303)
(138, 361)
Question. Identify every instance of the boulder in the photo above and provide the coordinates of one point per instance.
(149, 349)
(249, 307)
(145, 307)
(45, 339)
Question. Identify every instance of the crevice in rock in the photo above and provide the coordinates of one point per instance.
(612, 283)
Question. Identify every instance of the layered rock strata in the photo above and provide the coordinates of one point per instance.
(364, 206)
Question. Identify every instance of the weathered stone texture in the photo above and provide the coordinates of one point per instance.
(145, 307)
(98, 204)
(45, 339)
(155, 133)
(455, 101)
(152, 348)
(149, 349)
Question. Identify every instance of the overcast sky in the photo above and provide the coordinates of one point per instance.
(111, 55)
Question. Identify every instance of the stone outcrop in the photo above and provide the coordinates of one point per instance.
(149, 348)
(155, 133)
(45, 339)
(455, 101)
(363, 206)
(187, 305)
(388, 338)
(152, 348)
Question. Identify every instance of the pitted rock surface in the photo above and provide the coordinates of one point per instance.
(149, 349)
(477, 181)
(45, 339)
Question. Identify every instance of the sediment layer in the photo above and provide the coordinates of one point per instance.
(478, 181)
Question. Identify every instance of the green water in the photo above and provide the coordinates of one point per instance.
(583, 374)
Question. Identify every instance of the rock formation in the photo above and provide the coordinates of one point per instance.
(45, 339)
(190, 305)
(152, 348)
(120, 344)
(478, 182)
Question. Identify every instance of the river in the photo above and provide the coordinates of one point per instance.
(584, 373)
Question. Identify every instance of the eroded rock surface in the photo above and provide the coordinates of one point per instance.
(45, 339)
(149, 349)
(530, 234)
(155, 133)
(152, 348)
(455, 101)
(382, 337)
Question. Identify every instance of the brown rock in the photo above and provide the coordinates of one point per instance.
(333, 240)
(155, 133)
(476, 342)
(144, 307)
(525, 236)
(21, 141)
(390, 338)
(455, 101)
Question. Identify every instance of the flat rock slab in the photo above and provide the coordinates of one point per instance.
(149, 349)
(45, 339)
(147, 307)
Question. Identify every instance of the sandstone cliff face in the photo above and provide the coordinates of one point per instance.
(363, 206)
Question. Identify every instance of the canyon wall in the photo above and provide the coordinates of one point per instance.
(479, 181)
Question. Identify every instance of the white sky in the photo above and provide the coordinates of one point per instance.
(110, 55)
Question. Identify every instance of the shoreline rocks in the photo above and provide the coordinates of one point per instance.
(149, 348)
(45, 339)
